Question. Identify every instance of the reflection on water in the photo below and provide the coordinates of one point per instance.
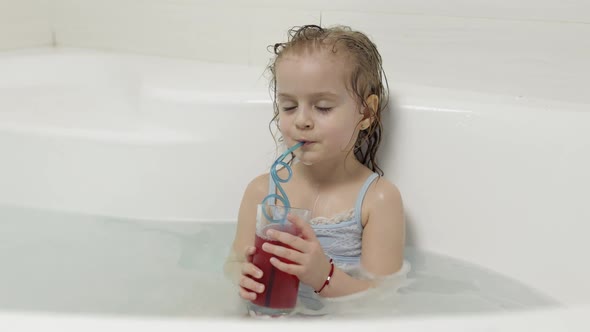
(64, 262)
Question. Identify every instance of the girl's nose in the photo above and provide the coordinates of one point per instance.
(304, 119)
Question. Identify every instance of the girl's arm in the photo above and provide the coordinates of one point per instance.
(382, 244)
(384, 233)
(246, 227)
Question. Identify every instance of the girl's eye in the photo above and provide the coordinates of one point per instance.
(323, 109)
(290, 108)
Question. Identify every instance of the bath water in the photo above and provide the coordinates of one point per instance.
(75, 263)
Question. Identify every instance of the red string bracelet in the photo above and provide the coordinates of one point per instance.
(327, 282)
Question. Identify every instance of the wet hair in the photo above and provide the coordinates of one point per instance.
(366, 77)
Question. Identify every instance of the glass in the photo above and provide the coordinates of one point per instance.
(280, 288)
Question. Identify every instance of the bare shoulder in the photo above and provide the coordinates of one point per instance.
(258, 186)
(255, 192)
(385, 191)
(383, 198)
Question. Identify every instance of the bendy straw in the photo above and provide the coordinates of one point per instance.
(282, 196)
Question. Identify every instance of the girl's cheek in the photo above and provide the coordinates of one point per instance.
(281, 124)
(346, 138)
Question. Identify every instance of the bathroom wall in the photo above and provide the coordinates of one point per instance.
(473, 45)
(239, 31)
(24, 23)
(219, 31)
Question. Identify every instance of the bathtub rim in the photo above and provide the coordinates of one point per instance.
(412, 94)
(571, 319)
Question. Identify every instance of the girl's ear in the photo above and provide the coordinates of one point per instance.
(370, 111)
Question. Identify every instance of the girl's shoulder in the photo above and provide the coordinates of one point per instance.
(259, 184)
(255, 192)
(379, 198)
(382, 192)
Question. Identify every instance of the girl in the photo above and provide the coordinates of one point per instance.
(329, 95)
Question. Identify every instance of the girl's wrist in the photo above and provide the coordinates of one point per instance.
(326, 281)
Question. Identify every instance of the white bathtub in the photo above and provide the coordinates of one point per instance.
(497, 180)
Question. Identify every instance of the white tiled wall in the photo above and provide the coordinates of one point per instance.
(24, 23)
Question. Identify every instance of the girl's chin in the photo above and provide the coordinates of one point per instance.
(304, 161)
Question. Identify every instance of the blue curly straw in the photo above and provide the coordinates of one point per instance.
(278, 180)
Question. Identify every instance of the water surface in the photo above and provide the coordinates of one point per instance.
(75, 263)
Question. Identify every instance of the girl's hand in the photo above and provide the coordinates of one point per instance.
(248, 286)
(310, 264)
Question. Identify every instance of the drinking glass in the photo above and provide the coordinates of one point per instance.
(280, 288)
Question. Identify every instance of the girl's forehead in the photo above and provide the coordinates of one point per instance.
(311, 69)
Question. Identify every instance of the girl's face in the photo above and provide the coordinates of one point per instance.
(315, 105)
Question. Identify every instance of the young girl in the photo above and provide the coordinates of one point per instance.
(329, 94)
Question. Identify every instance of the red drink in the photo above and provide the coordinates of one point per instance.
(280, 288)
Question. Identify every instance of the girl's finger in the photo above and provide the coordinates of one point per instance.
(290, 240)
(304, 227)
(293, 269)
(246, 295)
(252, 270)
(291, 255)
(251, 285)
(248, 252)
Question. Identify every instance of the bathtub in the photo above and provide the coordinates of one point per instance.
(126, 150)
